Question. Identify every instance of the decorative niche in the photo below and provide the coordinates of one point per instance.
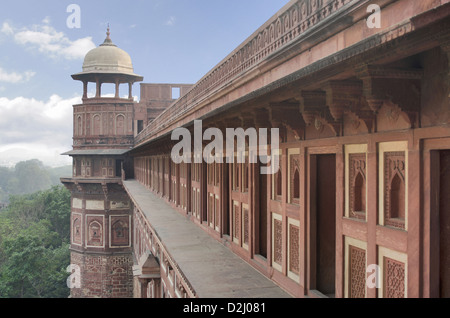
(294, 176)
(356, 182)
(393, 185)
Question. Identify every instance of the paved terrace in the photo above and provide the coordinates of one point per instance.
(211, 268)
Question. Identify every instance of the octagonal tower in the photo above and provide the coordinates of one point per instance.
(101, 218)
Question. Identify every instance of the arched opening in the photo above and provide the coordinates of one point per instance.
(79, 126)
(296, 185)
(108, 90)
(120, 234)
(119, 229)
(278, 184)
(95, 228)
(397, 198)
(120, 125)
(123, 91)
(96, 125)
(359, 194)
(76, 231)
(217, 170)
(246, 177)
(95, 234)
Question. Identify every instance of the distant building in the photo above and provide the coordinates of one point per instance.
(363, 115)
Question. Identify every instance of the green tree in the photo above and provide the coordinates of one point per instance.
(34, 245)
(32, 176)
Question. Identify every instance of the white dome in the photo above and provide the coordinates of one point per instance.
(107, 59)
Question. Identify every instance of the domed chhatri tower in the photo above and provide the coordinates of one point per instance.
(101, 219)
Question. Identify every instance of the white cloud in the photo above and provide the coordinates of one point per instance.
(7, 29)
(14, 77)
(171, 21)
(49, 41)
(44, 126)
(12, 154)
(46, 20)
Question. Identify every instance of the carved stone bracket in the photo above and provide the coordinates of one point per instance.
(105, 189)
(343, 96)
(327, 119)
(247, 120)
(314, 110)
(399, 86)
(262, 119)
(312, 103)
(79, 187)
(365, 113)
(288, 115)
(445, 46)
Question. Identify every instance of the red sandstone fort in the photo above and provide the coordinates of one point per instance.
(363, 114)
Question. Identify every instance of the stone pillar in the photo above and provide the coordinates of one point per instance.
(117, 89)
(144, 287)
(85, 88)
(130, 90)
(98, 92)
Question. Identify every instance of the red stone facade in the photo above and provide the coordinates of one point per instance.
(103, 276)
(364, 133)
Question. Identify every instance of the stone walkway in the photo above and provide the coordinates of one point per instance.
(211, 268)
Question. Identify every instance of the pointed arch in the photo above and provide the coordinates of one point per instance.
(95, 233)
(397, 198)
(96, 125)
(278, 184)
(296, 188)
(79, 126)
(359, 193)
(120, 125)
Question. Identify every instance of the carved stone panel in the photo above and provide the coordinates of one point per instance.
(394, 189)
(76, 228)
(394, 278)
(236, 222)
(357, 185)
(120, 231)
(277, 235)
(245, 226)
(294, 249)
(393, 184)
(217, 212)
(120, 205)
(356, 181)
(294, 178)
(277, 241)
(95, 230)
(357, 272)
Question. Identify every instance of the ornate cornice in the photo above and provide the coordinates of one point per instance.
(287, 27)
(383, 45)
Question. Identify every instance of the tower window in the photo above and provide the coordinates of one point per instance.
(176, 92)
(140, 126)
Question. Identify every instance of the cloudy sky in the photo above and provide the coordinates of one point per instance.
(41, 45)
